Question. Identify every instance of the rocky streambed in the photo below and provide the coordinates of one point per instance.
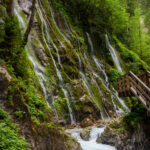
(87, 138)
(107, 135)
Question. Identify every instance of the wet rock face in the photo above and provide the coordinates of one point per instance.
(5, 78)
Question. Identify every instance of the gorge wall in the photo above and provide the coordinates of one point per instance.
(62, 77)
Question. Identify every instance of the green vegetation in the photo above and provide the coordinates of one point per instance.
(118, 18)
(128, 33)
(9, 137)
(20, 69)
(114, 75)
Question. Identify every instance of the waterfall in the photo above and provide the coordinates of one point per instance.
(106, 83)
(48, 38)
(113, 54)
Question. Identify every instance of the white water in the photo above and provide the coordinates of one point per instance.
(113, 54)
(91, 144)
(61, 82)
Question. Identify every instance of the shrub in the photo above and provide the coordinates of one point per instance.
(9, 137)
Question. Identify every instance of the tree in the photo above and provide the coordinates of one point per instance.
(10, 8)
(139, 31)
(27, 32)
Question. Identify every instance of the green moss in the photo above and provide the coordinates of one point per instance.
(19, 114)
(131, 59)
(114, 75)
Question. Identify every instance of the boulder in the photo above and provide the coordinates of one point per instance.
(5, 79)
(86, 122)
(85, 134)
(107, 137)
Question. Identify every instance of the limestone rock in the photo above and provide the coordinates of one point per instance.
(85, 134)
(5, 79)
(86, 122)
(107, 137)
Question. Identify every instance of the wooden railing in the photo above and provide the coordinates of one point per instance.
(131, 85)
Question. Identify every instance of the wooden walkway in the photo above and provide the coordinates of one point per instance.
(131, 85)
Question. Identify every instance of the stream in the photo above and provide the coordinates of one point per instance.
(91, 144)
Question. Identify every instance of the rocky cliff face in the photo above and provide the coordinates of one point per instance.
(64, 80)
(39, 137)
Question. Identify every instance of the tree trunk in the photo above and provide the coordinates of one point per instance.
(27, 32)
(10, 8)
(140, 37)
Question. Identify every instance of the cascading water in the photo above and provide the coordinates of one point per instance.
(106, 83)
(113, 54)
(38, 68)
(48, 38)
(85, 82)
(44, 24)
(91, 144)
(100, 67)
(97, 86)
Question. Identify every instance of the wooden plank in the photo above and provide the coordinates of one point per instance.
(139, 97)
(141, 90)
(138, 80)
(132, 85)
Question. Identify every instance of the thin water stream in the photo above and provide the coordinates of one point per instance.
(41, 75)
(38, 68)
(61, 82)
(113, 54)
(113, 93)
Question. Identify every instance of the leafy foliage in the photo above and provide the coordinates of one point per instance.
(9, 137)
